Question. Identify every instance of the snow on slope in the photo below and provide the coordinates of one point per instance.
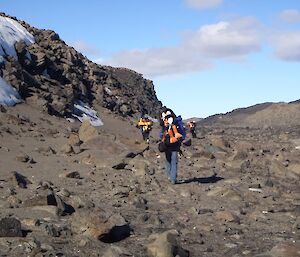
(83, 112)
(10, 33)
(8, 95)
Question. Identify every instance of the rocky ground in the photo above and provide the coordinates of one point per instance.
(68, 189)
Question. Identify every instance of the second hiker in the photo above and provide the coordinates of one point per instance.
(145, 125)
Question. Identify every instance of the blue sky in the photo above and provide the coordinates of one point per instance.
(204, 56)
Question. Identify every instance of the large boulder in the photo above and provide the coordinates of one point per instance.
(98, 226)
(10, 227)
(87, 131)
(165, 245)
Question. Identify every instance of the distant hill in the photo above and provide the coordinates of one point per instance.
(196, 119)
(258, 116)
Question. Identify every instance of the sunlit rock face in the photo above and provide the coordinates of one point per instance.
(52, 76)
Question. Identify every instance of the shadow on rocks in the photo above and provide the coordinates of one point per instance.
(116, 234)
(204, 180)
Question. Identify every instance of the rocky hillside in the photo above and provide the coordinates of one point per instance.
(51, 76)
(73, 190)
(277, 115)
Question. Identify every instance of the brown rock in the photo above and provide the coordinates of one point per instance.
(226, 193)
(283, 250)
(87, 131)
(19, 180)
(74, 139)
(165, 245)
(22, 158)
(10, 227)
(67, 149)
(98, 226)
(220, 142)
(227, 216)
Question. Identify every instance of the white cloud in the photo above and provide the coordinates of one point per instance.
(159, 61)
(85, 48)
(197, 51)
(203, 4)
(287, 45)
(227, 39)
(290, 16)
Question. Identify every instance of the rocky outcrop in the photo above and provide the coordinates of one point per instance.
(51, 76)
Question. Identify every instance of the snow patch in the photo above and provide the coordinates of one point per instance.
(8, 95)
(83, 112)
(151, 118)
(10, 33)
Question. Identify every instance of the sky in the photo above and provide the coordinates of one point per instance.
(203, 56)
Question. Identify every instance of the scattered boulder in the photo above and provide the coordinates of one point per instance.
(115, 251)
(87, 131)
(97, 225)
(220, 142)
(283, 250)
(71, 174)
(19, 180)
(67, 149)
(165, 245)
(139, 165)
(227, 216)
(74, 140)
(22, 158)
(224, 192)
(10, 227)
(49, 199)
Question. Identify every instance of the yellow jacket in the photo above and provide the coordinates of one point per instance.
(145, 124)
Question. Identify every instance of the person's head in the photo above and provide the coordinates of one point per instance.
(166, 112)
(168, 120)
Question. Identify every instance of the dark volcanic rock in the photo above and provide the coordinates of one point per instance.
(53, 75)
(19, 180)
(10, 227)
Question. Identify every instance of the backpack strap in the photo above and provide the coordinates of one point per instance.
(174, 134)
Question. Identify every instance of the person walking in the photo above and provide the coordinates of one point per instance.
(145, 125)
(171, 138)
(192, 128)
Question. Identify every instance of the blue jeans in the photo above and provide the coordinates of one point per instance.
(171, 165)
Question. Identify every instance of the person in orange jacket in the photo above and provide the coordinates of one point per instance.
(172, 141)
(192, 128)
